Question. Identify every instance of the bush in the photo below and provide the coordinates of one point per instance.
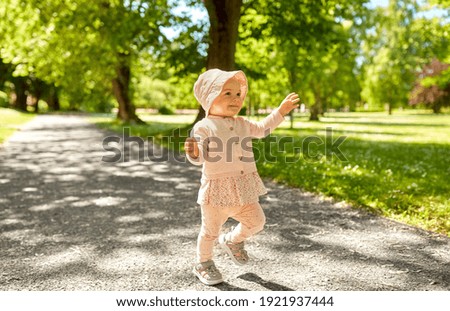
(166, 110)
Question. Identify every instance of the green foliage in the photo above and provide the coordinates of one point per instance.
(313, 47)
(153, 93)
(305, 47)
(78, 44)
(390, 73)
(445, 4)
(156, 93)
(397, 45)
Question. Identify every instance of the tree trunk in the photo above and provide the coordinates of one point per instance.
(293, 83)
(52, 98)
(20, 89)
(316, 108)
(36, 99)
(120, 84)
(37, 88)
(314, 112)
(436, 108)
(224, 19)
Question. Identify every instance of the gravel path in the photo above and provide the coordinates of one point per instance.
(69, 221)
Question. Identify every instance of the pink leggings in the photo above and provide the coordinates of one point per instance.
(251, 220)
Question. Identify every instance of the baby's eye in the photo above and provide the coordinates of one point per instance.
(228, 93)
(238, 94)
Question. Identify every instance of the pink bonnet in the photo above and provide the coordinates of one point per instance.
(209, 85)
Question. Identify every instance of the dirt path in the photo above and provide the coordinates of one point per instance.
(69, 221)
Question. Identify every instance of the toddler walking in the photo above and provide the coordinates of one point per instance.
(230, 185)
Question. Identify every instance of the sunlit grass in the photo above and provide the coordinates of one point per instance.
(396, 166)
(167, 130)
(10, 121)
(156, 125)
(172, 119)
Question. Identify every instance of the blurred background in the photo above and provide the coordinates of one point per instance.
(97, 56)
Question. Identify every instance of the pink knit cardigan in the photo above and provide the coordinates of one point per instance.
(225, 144)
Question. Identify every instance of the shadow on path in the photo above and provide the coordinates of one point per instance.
(251, 277)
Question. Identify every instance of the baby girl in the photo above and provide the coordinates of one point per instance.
(230, 184)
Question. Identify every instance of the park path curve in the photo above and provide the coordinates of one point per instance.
(69, 221)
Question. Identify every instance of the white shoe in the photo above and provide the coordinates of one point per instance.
(207, 273)
(236, 251)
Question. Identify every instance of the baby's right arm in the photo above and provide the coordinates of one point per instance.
(191, 147)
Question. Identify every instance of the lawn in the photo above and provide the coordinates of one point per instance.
(157, 125)
(10, 121)
(396, 166)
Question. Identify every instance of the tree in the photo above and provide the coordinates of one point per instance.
(398, 44)
(428, 92)
(223, 34)
(391, 54)
(437, 31)
(85, 48)
(306, 36)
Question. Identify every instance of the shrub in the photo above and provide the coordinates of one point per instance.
(166, 110)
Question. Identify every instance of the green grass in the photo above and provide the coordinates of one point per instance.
(156, 124)
(169, 131)
(10, 121)
(396, 166)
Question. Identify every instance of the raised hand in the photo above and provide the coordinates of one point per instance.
(289, 103)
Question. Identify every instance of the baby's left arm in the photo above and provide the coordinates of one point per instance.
(266, 126)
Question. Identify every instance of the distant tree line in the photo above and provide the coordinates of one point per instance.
(338, 55)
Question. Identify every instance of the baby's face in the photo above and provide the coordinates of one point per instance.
(229, 101)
